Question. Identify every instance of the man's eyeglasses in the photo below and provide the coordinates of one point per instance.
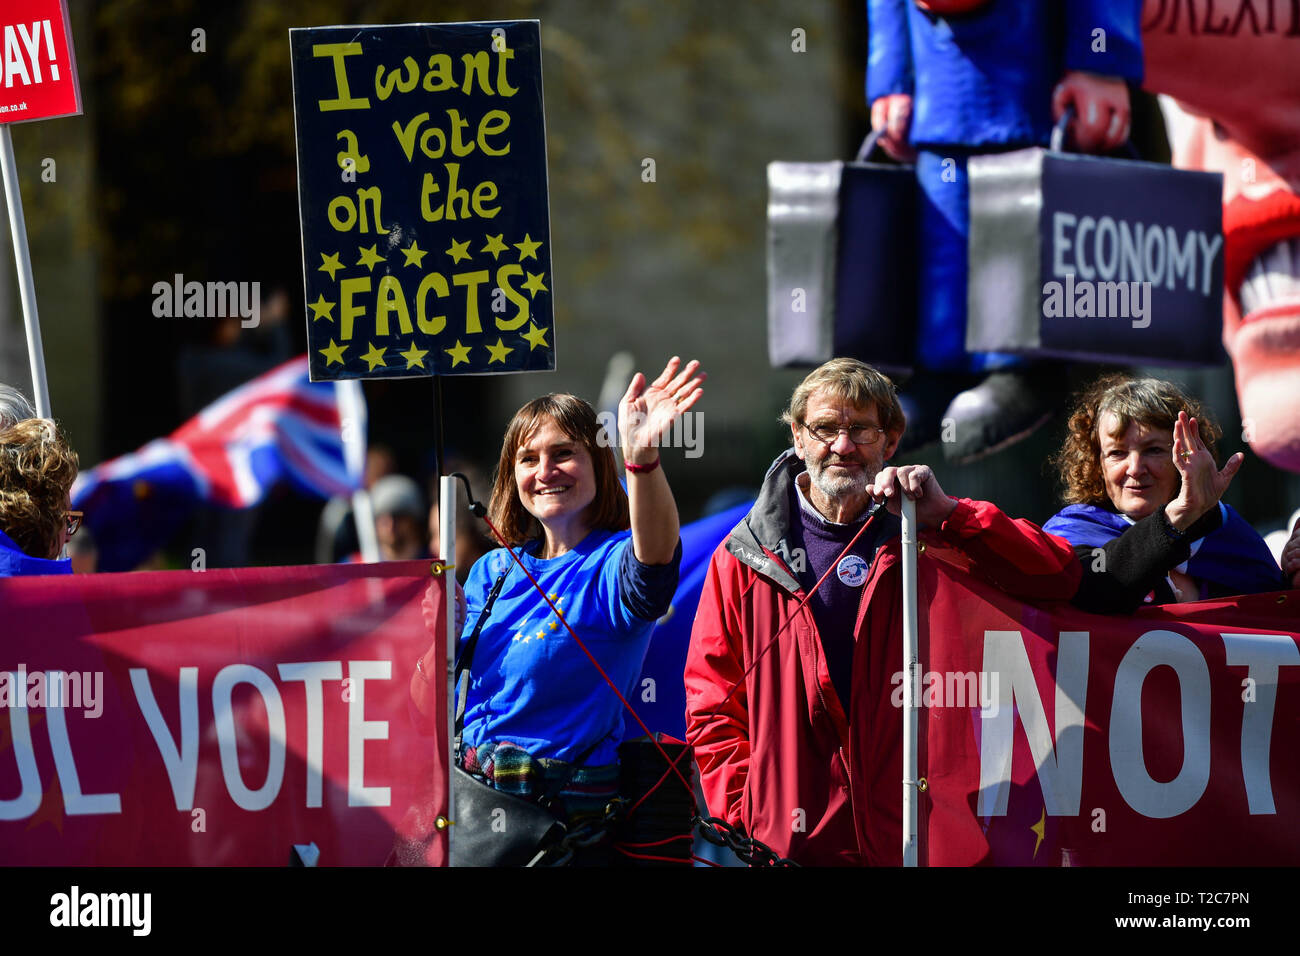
(858, 434)
(73, 518)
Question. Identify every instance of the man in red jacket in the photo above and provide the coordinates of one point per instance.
(771, 669)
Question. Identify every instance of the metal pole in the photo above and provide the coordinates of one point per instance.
(447, 555)
(26, 284)
(352, 412)
(911, 684)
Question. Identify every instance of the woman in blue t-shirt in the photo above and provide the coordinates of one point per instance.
(539, 717)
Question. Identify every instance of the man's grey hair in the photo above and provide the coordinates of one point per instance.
(14, 407)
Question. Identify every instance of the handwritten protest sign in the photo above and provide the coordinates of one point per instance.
(38, 72)
(422, 190)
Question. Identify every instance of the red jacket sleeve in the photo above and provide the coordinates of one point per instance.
(1014, 555)
(717, 726)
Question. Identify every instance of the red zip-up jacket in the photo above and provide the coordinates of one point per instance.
(776, 755)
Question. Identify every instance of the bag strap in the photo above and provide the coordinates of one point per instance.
(466, 656)
(462, 669)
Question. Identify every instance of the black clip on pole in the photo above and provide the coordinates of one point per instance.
(476, 508)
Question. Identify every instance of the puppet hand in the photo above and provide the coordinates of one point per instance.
(1101, 107)
(893, 114)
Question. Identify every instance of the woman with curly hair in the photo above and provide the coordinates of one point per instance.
(36, 472)
(1142, 489)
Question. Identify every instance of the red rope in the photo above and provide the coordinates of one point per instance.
(672, 763)
(614, 687)
(758, 657)
(700, 859)
(641, 846)
(646, 856)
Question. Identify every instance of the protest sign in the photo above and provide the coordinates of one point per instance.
(220, 718)
(422, 191)
(39, 69)
(1053, 737)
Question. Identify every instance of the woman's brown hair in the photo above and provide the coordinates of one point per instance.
(1147, 401)
(37, 469)
(608, 510)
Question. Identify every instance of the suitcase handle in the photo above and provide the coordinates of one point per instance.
(1057, 142)
(868, 145)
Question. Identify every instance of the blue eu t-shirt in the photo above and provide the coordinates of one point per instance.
(530, 683)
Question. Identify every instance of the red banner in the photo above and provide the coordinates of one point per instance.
(218, 717)
(38, 70)
(1053, 737)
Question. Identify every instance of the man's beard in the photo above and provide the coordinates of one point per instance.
(839, 485)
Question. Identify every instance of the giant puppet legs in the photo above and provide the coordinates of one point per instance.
(947, 399)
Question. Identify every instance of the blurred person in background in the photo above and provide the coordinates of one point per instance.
(1143, 509)
(14, 406)
(399, 518)
(37, 469)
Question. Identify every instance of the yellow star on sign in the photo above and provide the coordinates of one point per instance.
(495, 245)
(528, 248)
(535, 337)
(321, 308)
(414, 255)
(329, 264)
(334, 353)
(499, 352)
(375, 356)
(1040, 828)
(369, 258)
(534, 284)
(414, 356)
(459, 250)
(459, 353)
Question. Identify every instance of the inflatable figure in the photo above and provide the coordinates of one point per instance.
(948, 79)
(1233, 68)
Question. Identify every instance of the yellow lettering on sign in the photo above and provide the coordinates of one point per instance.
(430, 325)
(503, 283)
(391, 300)
(345, 100)
(473, 280)
(347, 289)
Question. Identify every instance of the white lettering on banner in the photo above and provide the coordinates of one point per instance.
(180, 753)
(1133, 252)
(1060, 768)
(182, 762)
(75, 803)
(1147, 796)
(1263, 654)
(313, 675)
(223, 687)
(360, 730)
(16, 66)
(20, 735)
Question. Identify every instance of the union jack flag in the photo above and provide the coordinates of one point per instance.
(280, 427)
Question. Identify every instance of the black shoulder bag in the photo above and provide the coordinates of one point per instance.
(493, 828)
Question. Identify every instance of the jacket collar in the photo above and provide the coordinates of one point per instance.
(14, 562)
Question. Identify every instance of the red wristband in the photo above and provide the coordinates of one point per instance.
(641, 469)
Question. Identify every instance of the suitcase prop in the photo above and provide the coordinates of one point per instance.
(841, 271)
(1092, 259)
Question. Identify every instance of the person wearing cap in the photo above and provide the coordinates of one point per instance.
(399, 518)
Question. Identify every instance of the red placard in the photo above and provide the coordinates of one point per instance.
(179, 718)
(1052, 737)
(38, 68)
